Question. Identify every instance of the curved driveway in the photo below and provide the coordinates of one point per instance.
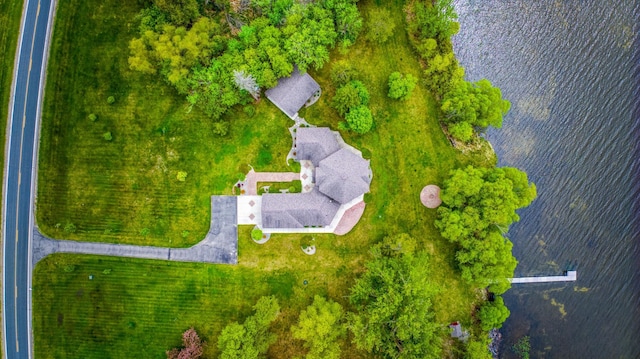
(19, 170)
(18, 230)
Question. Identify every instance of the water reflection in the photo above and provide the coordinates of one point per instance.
(568, 68)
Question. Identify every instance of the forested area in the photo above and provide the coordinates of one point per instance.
(218, 53)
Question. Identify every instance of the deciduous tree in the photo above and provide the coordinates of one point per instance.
(320, 326)
(468, 105)
(310, 33)
(252, 339)
(192, 346)
(181, 12)
(493, 313)
(401, 86)
(380, 27)
(359, 119)
(351, 95)
(393, 298)
(478, 205)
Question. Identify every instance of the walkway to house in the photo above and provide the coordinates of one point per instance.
(306, 175)
(220, 245)
(250, 210)
(253, 177)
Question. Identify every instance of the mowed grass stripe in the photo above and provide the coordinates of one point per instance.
(138, 304)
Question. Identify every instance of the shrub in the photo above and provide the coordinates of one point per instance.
(182, 176)
(145, 231)
(111, 100)
(70, 228)
(107, 136)
(306, 242)
(360, 119)
(69, 268)
(400, 87)
(249, 110)
(185, 234)
(256, 234)
(221, 128)
(380, 28)
(93, 117)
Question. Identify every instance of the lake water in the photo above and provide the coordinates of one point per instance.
(571, 70)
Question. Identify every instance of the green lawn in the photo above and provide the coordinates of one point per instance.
(10, 16)
(111, 190)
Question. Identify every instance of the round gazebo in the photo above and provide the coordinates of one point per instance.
(430, 196)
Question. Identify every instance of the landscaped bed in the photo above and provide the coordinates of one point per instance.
(277, 187)
(110, 190)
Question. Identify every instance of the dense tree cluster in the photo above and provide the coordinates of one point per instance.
(430, 25)
(352, 102)
(217, 66)
(478, 205)
(393, 299)
(175, 50)
(252, 339)
(467, 107)
(470, 106)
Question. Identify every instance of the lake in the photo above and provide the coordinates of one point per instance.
(571, 70)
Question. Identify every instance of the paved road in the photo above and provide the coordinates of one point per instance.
(18, 196)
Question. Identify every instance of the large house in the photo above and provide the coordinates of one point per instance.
(340, 178)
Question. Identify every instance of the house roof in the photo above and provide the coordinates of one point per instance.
(315, 143)
(297, 210)
(343, 176)
(293, 92)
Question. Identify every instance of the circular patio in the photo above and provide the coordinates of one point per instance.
(430, 196)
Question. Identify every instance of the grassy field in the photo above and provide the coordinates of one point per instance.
(10, 16)
(111, 190)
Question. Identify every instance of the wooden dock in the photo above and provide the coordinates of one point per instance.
(570, 276)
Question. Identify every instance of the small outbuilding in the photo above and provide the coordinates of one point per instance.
(457, 332)
(293, 92)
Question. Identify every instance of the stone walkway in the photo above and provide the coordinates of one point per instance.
(250, 210)
(220, 245)
(253, 177)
